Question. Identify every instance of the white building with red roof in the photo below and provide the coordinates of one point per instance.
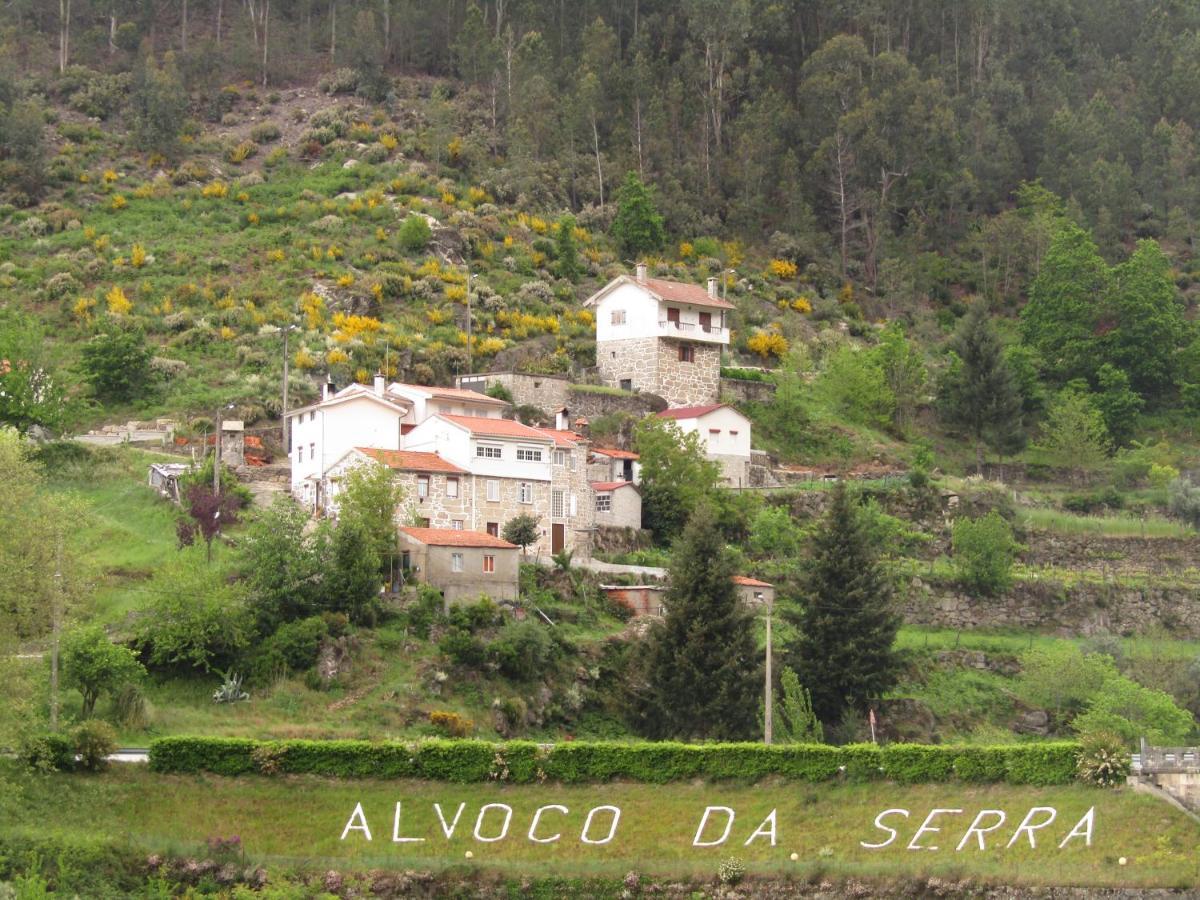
(662, 337)
(725, 434)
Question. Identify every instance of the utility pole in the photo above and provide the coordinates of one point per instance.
(769, 711)
(470, 367)
(287, 448)
(217, 453)
(55, 627)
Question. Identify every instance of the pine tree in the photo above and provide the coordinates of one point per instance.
(702, 671)
(795, 722)
(845, 625)
(638, 227)
(566, 253)
(979, 394)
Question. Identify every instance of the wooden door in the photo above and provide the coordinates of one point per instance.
(558, 537)
(672, 315)
(706, 322)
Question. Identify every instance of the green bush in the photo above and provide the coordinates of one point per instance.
(581, 762)
(984, 550)
(415, 233)
(94, 741)
(47, 752)
(292, 648)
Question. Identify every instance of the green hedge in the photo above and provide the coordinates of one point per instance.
(581, 762)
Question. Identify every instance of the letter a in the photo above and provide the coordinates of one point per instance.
(763, 830)
(360, 816)
(708, 811)
(1089, 819)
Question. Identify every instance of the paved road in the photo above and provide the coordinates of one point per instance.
(596, 565)
(130, 755)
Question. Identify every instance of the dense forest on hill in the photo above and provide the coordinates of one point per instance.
(887, 137)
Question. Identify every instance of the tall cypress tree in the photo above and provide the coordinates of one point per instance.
(979, 394)
(702, 671)
(638, 227)
(845, 624)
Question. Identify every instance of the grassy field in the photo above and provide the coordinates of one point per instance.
(300, 821)
(1106, 526)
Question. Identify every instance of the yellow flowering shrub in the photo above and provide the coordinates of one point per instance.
(448, 197)
(215, 190)
(380, 234)
(802, 305)
(767, 344)
(118, 202)
(477, 195)
(336, 357)
(846, 294)
(538, 225)
(83, 309)
(489, 346)
(334, 252)
(350, 327)
(456, 293)
(101, 243)
(686, 250)
(389, 142)
(361, 375)
(431, 267)
(137, 256)
(313, 308)
(377, 291)
(227, 333)
(454, 150)
(118, 304)
(346, 281)
(782, 268)
(89, 233)
(303, 359)
(275, 255)
(110, 176)
(435, 316)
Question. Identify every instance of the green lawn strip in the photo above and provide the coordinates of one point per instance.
(300, 821)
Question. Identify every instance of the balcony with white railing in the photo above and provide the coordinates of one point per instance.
(693, 331)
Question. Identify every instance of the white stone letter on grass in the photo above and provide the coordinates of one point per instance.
(396, 839)
(976, 828)
(1083, 829)
(448, 830)
(1029, 826)
(612, 828)
(928, 828)
(537, 817)
(879, 824)
(503, 831)
(708, 811)
(763, 830)
(357, 816)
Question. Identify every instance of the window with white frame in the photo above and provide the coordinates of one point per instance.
(526, 492)
(451, 486)
(529, 454)
(560, 457)
(300, 453)
(489, 564)
(456, 562)
(422, 486)
(618, 317)
(488, 451)
(603, 503)
(456, 524)
(493, 490)
(558, 504)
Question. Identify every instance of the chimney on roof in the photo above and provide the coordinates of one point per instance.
(641, 273)
(380, 384)
(327, 388)
(562, 420)
(712, 287)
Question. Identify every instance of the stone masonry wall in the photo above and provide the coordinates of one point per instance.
(741, 391)
(1081, 609)
(635, 359)
(688, 383)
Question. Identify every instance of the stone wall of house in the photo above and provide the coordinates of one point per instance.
(592, 405)
(438, 507)
(737, 390)
(1080, 609)
(610, 539)
(547, 392)
(509, 506)
(635, 359)
(572, 479)
(688, 383)
(734, 469)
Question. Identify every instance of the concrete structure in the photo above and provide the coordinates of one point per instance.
(661, 337)
(164, 478)
(613, 464)
(618, 504)
(725, 434)
(640, 599)
(461, 564)
(322, 433)
(1171, 772)
(546, 392)
(754, 592)
(233, 442)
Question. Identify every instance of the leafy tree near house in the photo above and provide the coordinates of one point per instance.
(352, 573)
(844, 621)
(1073, 435)
(566, 253)
(977, 394)
(521, 530)
(30, 394)
(638, 227)
(984, 550)
(117, 365)
(368, 498)
(702, 675)
(94, 665)
(676, 476)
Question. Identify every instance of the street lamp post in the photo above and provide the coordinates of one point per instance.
(287, 329)
(769, 692)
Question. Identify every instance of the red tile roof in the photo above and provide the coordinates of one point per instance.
(689, 412)
(411, 460)
(614, 453)
(611, 485)
(453, 537)
(561, 438)
(449, 393)
(497, 427)
(682, 292)
(750, 582)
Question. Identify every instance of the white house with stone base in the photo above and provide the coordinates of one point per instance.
(661, 337)
(725, 434)
(324, 432)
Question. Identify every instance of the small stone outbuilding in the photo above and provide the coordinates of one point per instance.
(461, 564)
(618, 504)
(754, 592)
